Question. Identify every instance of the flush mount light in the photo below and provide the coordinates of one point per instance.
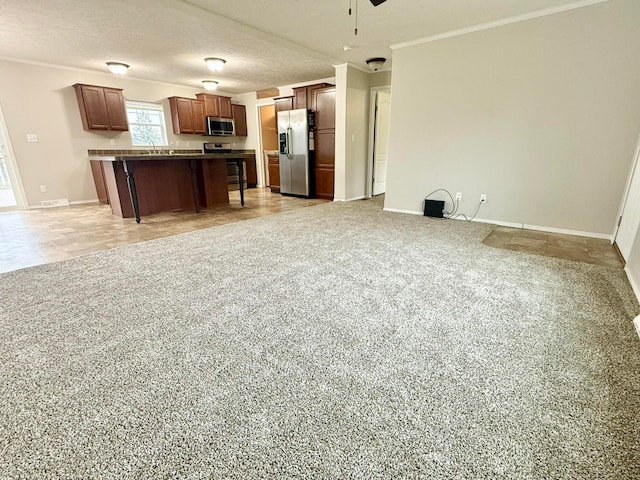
(375, 63)
(210, 84)
(118, 68)
(215, 64)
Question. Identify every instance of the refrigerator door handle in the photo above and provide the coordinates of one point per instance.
(289, 141)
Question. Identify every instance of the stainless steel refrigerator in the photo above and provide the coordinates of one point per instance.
(293, 135)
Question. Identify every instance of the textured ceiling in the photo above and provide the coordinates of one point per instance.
(266, 43)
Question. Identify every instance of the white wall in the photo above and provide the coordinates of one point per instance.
(541, 115)
(40, 99)
(357, 134)
(353, 88)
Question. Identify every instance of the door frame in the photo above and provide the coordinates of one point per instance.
(14, 171)
(373, 94)
(261, 168)
(634, 170)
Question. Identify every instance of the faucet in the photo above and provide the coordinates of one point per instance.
(154, 147)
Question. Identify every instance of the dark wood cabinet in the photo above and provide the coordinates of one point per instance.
(101, 108)
(216, 105)
(199, 120)
(240, 119)
(251, 173)
(187, 115)
(303, 96)
(324, 102)
(273, 165)
(283, 103)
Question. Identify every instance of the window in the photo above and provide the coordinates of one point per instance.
(146, 124)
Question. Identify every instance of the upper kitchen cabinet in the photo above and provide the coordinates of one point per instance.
(187, 115)
(283, 103)
(240, 119)
(215, 105)
(101, 108)
(303, 96)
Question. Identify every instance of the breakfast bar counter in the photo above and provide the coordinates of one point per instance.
(136, 185)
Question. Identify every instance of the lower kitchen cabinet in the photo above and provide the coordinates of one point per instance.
(273, 165)
(252, 174)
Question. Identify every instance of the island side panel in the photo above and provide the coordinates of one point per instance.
(214, 172)
(98, 179)
(162, 185)
(116, 184)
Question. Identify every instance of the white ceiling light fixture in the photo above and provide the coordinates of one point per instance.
(118, 68)
(375, 63)
(210, 84)
(215, 64)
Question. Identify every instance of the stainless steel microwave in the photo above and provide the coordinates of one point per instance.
(220, 127)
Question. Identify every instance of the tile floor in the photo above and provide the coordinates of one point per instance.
(569, 247)
(32, 237)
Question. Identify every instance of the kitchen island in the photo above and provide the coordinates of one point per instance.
(144, 184)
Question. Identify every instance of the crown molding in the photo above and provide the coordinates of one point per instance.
(498, 23)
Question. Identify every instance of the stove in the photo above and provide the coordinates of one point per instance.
(216, 147)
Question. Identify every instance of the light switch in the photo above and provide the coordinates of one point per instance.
(32, 138)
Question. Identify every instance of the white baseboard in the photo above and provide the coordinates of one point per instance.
(539, 228)
(542, 228)
(400, 210)
(632, 281)
(355, 198)
(75, 202)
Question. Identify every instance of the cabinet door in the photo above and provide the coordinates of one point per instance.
(211, 104)
(116, 110)
(181, 114)
(325, 108)
(199, 125)
(274, 172)
(240, 119)
(93, 108)
(225, 107)
(252, 174)
(324, 181)
(283, 103)
(300, 97)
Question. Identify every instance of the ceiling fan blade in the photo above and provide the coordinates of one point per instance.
(377, 2)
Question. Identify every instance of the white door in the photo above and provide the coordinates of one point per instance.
(381, 141)
(630, 220)
(10, 195)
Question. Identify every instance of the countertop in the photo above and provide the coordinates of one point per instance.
(177, 156)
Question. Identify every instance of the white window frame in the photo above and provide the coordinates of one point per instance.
(150, 106)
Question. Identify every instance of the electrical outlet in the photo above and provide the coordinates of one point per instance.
(483, 198)
(43, 188)
(112, 142)
(458, 195)
(32, 138)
